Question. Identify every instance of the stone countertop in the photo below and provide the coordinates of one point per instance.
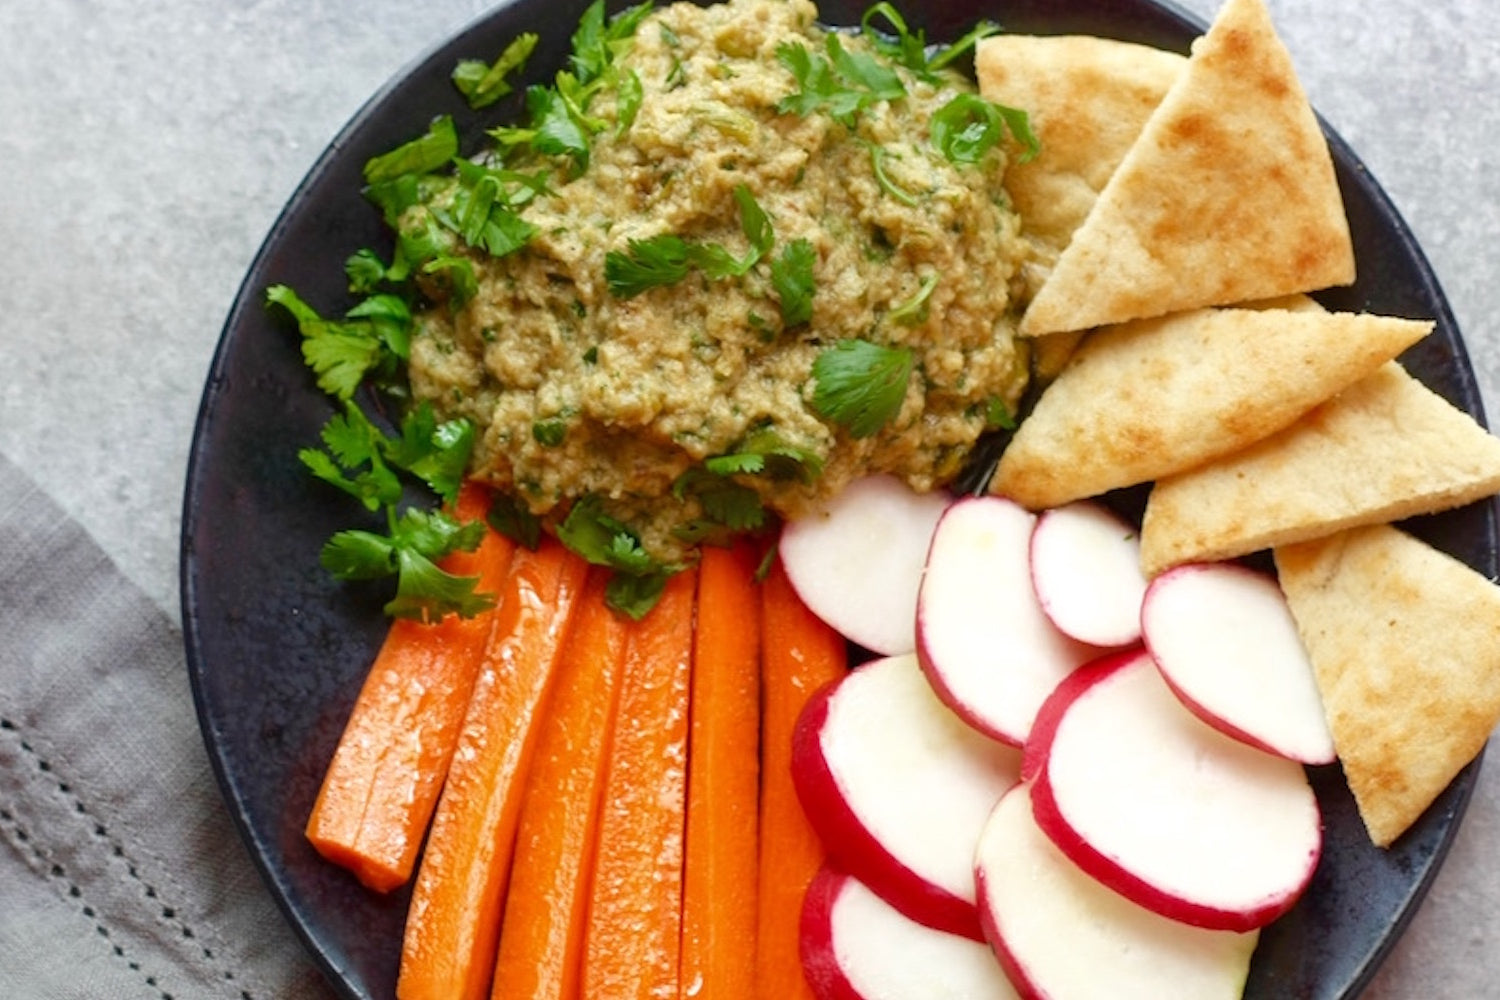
(145, 150)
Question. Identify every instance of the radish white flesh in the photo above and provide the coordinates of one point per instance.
(983, 641)
(1060, 933)
(857, 564)
(1086, 568)
(855, 946)
(898, 788)
(1167, 810)
(1227, 645)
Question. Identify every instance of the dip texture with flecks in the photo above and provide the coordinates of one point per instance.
(578, 391)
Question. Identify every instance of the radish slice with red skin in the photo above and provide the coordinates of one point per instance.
(856, 946)
(1228, 647)
(982, 639)
(1059, 933)
(857, 564)
(1086, 568)
(1163, 808)
(897, 788)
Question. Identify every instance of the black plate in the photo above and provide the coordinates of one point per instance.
(277, 652)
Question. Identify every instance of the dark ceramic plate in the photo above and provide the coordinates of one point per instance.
(277, 651)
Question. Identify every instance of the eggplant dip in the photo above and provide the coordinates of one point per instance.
(762, 278)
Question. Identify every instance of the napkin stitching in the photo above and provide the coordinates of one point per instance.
(57, 873)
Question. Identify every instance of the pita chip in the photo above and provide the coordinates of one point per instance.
(1087, 99)
(1147, 399)
(1385, 449)
(1228, 195)
(1405, 646)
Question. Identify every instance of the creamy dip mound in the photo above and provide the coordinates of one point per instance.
(580, 390)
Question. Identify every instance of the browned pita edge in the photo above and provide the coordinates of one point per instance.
(1155, 397)
(1228, 195)
(1385, 449)
(1405, 645)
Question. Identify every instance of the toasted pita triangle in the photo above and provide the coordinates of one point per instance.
(1385, 449)
(1405, 645)
(1228, 195)
(1151, 398)
(1087, 99)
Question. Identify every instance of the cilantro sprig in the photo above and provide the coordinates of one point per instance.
(668, 258)
(373, 339)
(638, 579)
(364, 462)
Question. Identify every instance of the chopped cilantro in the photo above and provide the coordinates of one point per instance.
(968, 127)
(839, 83)
(372, 339)
(550, 433)
(605, 541)
(483, 84)
(667, 259)
(997, 415)
(515, 521)
(861, 385)
(913, 312)
(792, 277)
(910, 49)
(422, 155)
(423, 590)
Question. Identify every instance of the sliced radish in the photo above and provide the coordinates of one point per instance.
(858, 563)
(1060, 933)
(1165, 809)
(1226, 643)
(1086, 568)
(982, 639)
(856, 946)
(898, 788)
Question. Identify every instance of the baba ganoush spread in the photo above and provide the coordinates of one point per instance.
(582, 386)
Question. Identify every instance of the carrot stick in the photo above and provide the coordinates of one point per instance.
(718, 905)
(383, 781)
(633, 937)
(800, 654)
(453, 924)
(541, 937)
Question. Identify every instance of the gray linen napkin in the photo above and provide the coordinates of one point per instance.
(121, 875)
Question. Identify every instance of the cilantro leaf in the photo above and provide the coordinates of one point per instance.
(839, 83)
(423, 589)
(725, 502)
(365, 271)
(426, 593)
(861, 385)
(968, 127)
(604, 541)
(515, 521)
(422, 155)
(667, 259)
(483, 84)
(342, 354)
(649, 263)
(596, 42)
(792, 278)
(437, 454)
(635, 596)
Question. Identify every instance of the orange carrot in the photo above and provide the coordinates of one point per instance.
(383, 782)
(800, 654)
(541, 937)
(718, 905)
(453, 924)
(633, 937)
